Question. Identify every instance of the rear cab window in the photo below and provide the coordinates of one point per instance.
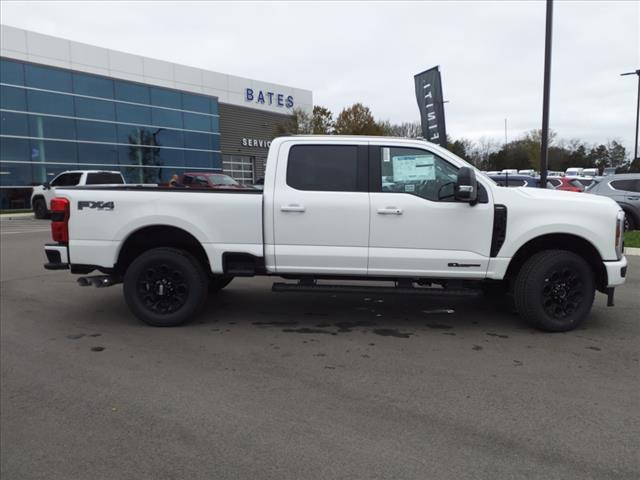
(104, 178)
(67, 180)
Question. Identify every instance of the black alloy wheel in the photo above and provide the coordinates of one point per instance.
(554, 290)
(165, 287)
(40, 208)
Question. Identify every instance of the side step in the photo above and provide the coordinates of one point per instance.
(308, 287)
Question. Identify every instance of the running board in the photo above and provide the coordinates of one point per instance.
(367, 289)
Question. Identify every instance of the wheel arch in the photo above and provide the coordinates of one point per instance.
(155, 236)
(560, 241)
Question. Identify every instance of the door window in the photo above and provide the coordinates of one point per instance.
(625, 185)
(67, 180)
(325, 168)
(417, 172)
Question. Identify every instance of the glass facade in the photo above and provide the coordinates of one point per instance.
(52, 119)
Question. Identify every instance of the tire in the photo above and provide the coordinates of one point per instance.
(554, 290)
(218, 282)
(629, 222)
(40, 208)
(165, 287)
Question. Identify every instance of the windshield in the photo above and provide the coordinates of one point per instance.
(218, 179)
(591, 185)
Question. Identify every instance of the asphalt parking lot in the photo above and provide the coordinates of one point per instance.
(305, 386)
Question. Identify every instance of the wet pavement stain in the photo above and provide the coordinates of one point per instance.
(597, 349)
(348, 326)
(306, 330)
(95, 334)
(453, 334)
(319, 354)
(439, 326)
(97, 349)
(477, 348)
(389, 332)
(493, 334)
(323, 325)
(517, 363)
(276, 323)
(75, 336)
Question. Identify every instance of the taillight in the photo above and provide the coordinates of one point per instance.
(60, 208)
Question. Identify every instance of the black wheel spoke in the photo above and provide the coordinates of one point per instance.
(163, 288)
(561, 293)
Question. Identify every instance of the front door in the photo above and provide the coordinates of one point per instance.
(417, 227)
(321, 209)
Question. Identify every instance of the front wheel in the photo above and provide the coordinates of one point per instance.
(165, 287)
(554, 290)
(629, 222)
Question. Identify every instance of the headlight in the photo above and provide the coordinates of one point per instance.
(619, 234)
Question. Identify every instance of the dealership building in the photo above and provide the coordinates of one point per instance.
(66, 105)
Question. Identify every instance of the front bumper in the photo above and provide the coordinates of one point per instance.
(616, 272)
(57, 256)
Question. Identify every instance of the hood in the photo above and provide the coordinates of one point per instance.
(556, 199)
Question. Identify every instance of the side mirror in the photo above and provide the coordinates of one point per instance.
(467, 186)
(46, 186)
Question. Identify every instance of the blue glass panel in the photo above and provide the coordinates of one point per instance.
(171, 157)
(213, 107)
(138, 155)
(130, 134)
(194, 121)
(215, 124)
(166, 118)
(52, 127)
(44, 102)
(97, 154)
(14, 149)
(194, 159)
(196, 103)
(98, 109)
(52, 151)
(217, 161)
(92, 85)
(11, 72)
(165, 98)
(15, 174)
(198, 140)
(169, 138)
(48, 78)
(131, 92)
(96, 131)
(133, 113)
(13, 98)
(14, 124)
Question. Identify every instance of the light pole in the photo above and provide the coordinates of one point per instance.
(635, 145)
(544, 144)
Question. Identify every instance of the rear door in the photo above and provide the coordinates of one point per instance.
(321, 208)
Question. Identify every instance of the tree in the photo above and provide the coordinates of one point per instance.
(298, 123)
(357, 120)
(322, 121)
(405, 129)
(462, 147)
(617, 153)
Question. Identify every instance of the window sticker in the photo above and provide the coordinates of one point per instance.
(409, 188)
(413, 168)
(386, 154)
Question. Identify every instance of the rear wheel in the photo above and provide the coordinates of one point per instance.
(629, 222)
(165, 287)
(40, 208)
(554, 290)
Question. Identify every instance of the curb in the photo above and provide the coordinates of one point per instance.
(632, 251)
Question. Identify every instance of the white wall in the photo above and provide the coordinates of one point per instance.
(38, 48)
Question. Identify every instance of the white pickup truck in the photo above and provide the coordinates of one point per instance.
(43, 194)
(346, 208)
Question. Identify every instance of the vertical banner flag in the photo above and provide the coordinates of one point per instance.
(430, 102)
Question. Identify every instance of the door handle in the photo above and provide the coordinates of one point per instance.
(633, 198)
(390, 211)
(292, 208)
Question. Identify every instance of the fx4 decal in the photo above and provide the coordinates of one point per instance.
(99, 205)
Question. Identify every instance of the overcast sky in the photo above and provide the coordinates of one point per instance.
(490, 54)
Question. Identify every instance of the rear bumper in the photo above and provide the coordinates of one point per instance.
(616, 272)
(57, 256)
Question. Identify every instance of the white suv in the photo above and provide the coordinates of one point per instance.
(42, 195)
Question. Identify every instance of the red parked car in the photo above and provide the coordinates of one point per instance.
(567, 183)
(217, 181)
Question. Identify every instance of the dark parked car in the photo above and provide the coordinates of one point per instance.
(216, 181)
(624, 189)
(515, 180)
